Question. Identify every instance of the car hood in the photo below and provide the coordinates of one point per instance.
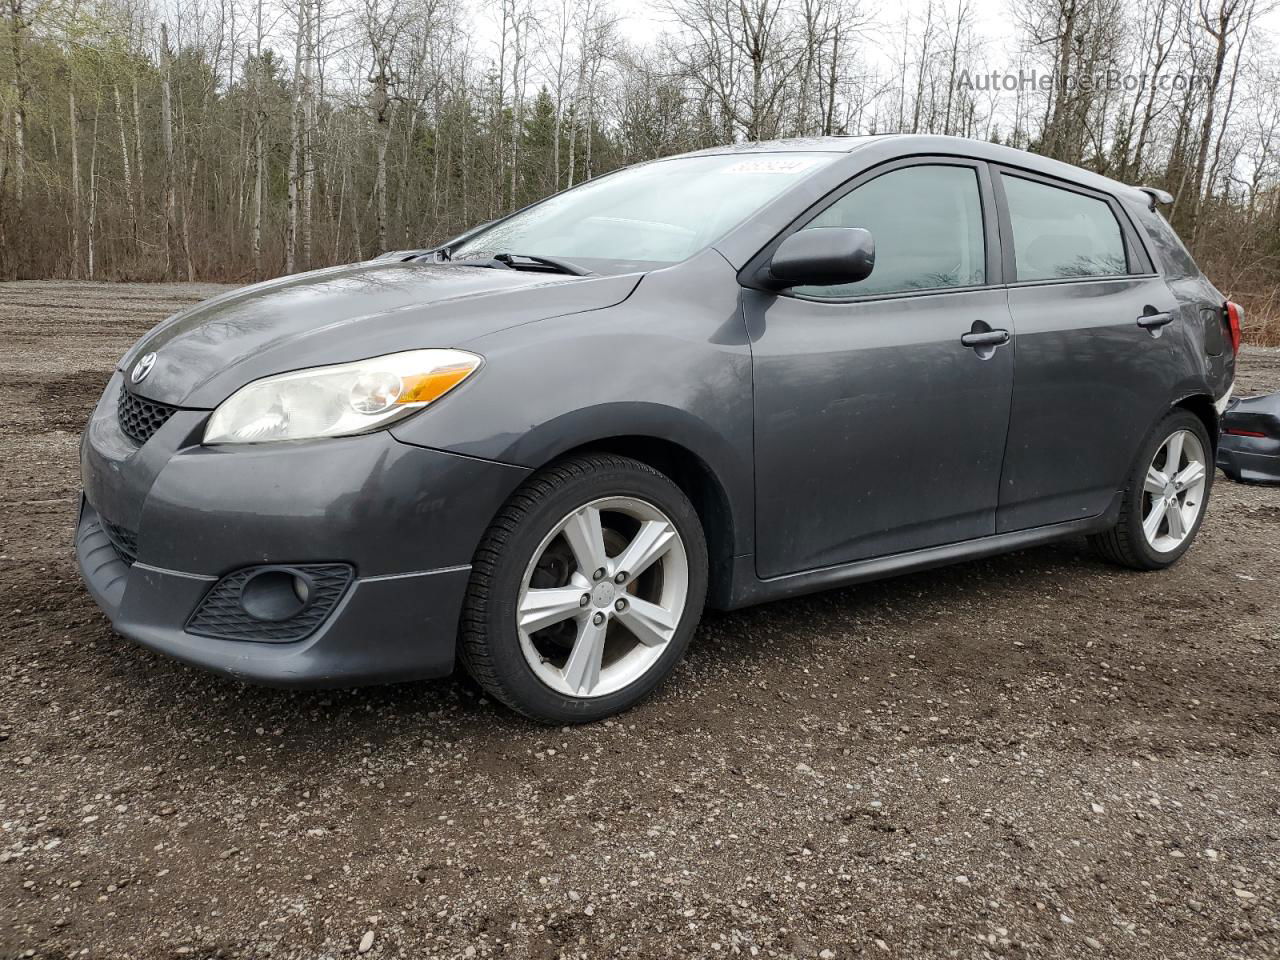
(206, 352)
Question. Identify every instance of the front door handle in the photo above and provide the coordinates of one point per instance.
(1151, 320)
(985, 338)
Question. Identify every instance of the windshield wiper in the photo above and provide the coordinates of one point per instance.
(529, 261)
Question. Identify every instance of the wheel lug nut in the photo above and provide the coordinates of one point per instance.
(598, 619)
(598, 575)
(586, 598)
(620, 605)
(620, 576)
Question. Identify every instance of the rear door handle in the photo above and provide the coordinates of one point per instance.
(985, 338)
(1153, 321)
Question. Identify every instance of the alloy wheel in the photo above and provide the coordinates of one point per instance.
(1173, 491)
(602, 597)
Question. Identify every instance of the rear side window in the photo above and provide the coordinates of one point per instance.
(926, 222)
(1059, 234)
(1170, 252)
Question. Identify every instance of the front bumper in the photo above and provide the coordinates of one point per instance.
(384, 629)
(405, 518)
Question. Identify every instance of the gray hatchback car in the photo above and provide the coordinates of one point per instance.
(719, 378)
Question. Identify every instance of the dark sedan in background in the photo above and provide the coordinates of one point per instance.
(720, 378)
(1249, 451)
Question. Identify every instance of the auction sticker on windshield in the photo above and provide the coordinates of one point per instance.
(773, 165)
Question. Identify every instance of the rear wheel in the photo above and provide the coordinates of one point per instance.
(585, 591)
(1165, 499)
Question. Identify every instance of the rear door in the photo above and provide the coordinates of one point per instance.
(1099, 352)
(877, 430)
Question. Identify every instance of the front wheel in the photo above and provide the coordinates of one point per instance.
(1165, 499)
(585, 590)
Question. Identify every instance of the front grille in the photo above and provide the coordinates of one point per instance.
(125, 541)
(140, 418)
(221, 616)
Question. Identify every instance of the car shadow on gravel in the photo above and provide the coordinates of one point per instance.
(1020, 635)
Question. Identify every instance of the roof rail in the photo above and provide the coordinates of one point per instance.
(1158, 196)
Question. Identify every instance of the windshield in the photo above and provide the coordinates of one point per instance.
(647, 216)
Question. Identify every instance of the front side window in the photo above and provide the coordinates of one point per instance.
(1058, 234)
(647, 216)
(926, 222)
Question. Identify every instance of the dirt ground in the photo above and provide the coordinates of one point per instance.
(1031, 756)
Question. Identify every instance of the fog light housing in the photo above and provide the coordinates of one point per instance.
(274, 594)
(272, 603)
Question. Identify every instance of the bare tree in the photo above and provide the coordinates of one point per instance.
(166, 132)
(1226, 23)
(383, 22)
(18, 27)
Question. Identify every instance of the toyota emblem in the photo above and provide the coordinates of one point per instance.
(143, 368)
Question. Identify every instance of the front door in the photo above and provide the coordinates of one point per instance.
(878, 431)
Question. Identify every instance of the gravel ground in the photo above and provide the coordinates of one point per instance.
(1032, 756)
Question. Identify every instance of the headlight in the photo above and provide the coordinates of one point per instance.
(340, 400)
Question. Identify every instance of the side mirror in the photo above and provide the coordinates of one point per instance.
(820, 257)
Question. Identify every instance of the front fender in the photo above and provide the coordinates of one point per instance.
(672, 362)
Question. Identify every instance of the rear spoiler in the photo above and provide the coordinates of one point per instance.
(1157, 196)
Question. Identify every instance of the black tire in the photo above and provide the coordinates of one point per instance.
(1125, 544)
(489, 643)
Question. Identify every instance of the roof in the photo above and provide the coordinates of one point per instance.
(907, 144)
(789, 145)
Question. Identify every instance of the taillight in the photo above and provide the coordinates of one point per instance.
(1235, 320)
(1237, 432)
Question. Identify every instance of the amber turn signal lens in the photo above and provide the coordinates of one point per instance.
(426, 387)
